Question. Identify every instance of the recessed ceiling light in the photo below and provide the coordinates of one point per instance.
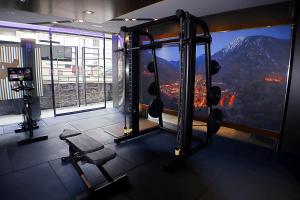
(126, 19)
(88, 12)
(55, 22)
(133, 19)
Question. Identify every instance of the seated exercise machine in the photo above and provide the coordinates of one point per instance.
(188, 37)
(21, 75)
(87, 150)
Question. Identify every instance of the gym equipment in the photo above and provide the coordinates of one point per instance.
(213, 95)
(152, 89)
(151, 67)
(20, 75)
(87, 150)
(156, 108)
(214, 121)
(214, 67)
(132, 104)
(187, 40)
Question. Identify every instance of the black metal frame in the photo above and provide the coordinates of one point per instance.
(187, 42)
(131, 58)
(117, 184)
(28, 123)
(78, 93)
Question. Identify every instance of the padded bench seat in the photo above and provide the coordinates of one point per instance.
(68, 133)
(84, 144)
(100, 157)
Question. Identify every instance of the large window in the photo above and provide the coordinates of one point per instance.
(78, 69)
(253, 76)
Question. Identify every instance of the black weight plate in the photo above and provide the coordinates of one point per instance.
(156, 108)
(214, 67)
(152, 89)
(215, 119)
(150, 67)
(214, 95)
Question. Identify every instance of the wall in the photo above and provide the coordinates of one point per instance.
(66, 94)
(291, 133)
(290, 136)
(66, 97)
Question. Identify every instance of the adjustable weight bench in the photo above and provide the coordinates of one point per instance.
(87, 150)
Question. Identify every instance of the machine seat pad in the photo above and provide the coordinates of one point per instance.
(84, 144)
(100, 157)
(68, 133)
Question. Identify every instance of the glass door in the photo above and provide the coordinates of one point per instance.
(93, 79)
(66, 79)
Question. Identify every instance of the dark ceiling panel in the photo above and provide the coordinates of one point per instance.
(104, 10)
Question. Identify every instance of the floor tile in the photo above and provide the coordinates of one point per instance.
(29, 155)
(39, 182)
(53, 131)
(100, 135)
(115, 117)
(60, 119)
(134, 151)
(91, 123)
(5, 165)
(69, 177)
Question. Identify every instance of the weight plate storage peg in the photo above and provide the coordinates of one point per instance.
(215, 119)
(214, 95)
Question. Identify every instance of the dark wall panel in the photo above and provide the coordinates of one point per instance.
(291, 132)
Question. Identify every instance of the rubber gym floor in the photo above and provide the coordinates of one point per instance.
(225, 170)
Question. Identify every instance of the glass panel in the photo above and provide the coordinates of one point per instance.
(78, 73)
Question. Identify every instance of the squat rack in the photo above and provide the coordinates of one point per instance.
(187, 41)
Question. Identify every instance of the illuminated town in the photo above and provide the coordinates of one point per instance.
(171, 90)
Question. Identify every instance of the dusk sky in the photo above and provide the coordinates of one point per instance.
(222, 39)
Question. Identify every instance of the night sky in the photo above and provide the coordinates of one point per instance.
(222, 39)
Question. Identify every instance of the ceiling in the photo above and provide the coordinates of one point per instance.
(34, 11)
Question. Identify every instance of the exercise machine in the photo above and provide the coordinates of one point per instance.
(186, 40)
(22, 78)
(85, 149)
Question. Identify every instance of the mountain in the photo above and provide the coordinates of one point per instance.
(245, 62)
(168, 71)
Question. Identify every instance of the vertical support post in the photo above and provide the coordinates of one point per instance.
(51, 73)
(187, 82)
(84, 75)
(133, 81)
(115, 72)
(104, 72)
(77, 77)
(208, 83)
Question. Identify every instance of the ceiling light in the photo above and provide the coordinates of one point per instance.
(155, 19)
(88, 12)
(133, 19)
(126, 19)
(55, 22)
(80, 20)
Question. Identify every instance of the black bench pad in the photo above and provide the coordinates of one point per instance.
(68, 133)
(84, 144)
(100, 157)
